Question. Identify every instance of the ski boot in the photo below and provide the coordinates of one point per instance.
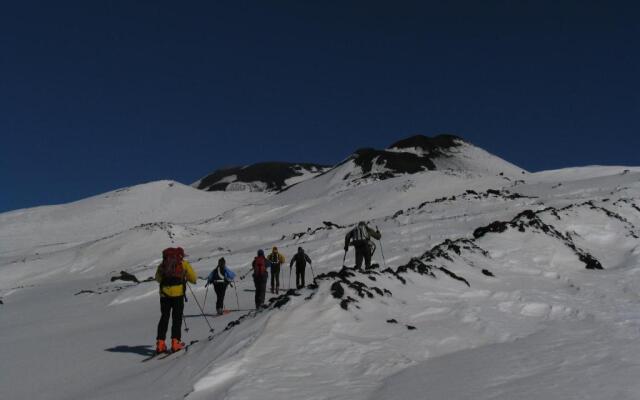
(161, 347)
(176, 345)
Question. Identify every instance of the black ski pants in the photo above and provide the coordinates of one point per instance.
(261, 288)
(220, 288)
(171, 307)
(275, 276)
(363, 252)
(300, 276)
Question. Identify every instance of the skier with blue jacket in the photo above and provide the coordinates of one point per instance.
(220, 277)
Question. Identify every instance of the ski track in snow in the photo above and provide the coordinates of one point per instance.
(543, 326)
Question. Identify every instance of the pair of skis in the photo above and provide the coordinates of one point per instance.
(167, 354)
(162, 356)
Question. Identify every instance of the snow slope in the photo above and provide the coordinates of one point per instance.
(489, 287)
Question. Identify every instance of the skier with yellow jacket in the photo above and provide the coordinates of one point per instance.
(172, 275)
(276, 259)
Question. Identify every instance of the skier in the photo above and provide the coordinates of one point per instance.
(360, 238)
(276, 259)
(172, 274)
(301, 259)
(260, 265)
(220, 278)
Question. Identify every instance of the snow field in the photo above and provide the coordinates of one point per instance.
(541, 327)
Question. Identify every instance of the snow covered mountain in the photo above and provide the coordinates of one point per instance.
(260, 177)
(490, 283)
(409, 156)
(420, 153)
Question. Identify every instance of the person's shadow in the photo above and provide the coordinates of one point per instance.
(141, 350)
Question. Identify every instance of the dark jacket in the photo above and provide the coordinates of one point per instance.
(348, 238)
(301, 260)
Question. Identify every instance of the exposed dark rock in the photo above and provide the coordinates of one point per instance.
(327, 225)
(85, 292)
(345, 303)
(344, 273)
(488, 273)
(495, 227)
(281, 300)
(395, 163)
(628, 202)
(433, 145)
(418, 266)
(396, 274)
(125, 276)
(529, 219)
(471, 195)
(232, 324)
(292, 292)
(361, 289)
(392, 321)
(614, 215)
(453, 275)
(272, 174)
(411, 327)
(337, 290)
(589, 261)
(330, 225)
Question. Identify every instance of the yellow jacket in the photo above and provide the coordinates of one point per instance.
(176, 290)
(277, 260)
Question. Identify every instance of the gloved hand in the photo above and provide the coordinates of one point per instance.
(206, 284)
(346, 248)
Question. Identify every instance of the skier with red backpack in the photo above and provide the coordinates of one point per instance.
(172, 275)
(259, 266)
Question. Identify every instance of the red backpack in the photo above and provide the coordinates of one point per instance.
(171, 269)
(260, 266)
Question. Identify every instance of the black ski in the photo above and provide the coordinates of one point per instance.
(162, 356)
(183, 350)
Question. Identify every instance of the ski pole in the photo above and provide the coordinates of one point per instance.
(312, 273)
(200, 307)
(344, 258)
(235, 287)
(186, 327)
(246, 273)
(290, 271)
(381, 251)
(204, 303)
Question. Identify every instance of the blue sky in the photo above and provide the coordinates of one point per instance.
(100, 95)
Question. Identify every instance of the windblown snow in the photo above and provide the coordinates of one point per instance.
(489, 284)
